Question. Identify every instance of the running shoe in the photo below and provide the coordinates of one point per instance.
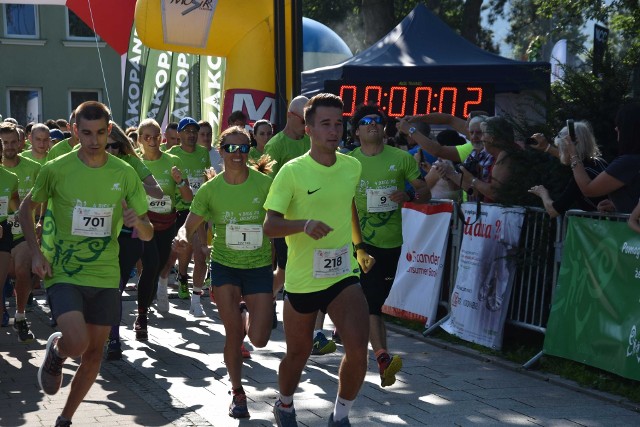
(22, 328)
(389, 366)
(238, 407)
(114, 351)
(321, 345)
(196, 306)
(162, 295)
(140, 327)
(183, 290)
(342, 423)
(50, 372)
(246, 354)
(284, 418)
(61, 422)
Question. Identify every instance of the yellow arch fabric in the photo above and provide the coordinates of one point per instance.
(242, 31)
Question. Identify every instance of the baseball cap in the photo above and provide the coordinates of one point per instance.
(56, 134)
(186, 122)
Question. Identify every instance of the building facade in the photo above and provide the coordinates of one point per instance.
(51, 62)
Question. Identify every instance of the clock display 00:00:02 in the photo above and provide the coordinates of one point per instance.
(399, 100)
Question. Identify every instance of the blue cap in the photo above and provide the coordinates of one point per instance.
(186, 122)
(56, 134)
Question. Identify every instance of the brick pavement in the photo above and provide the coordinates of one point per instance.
(178, 378)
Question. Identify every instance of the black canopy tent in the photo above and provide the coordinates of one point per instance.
(423, 48)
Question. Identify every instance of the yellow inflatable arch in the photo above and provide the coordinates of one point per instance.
(242, 31)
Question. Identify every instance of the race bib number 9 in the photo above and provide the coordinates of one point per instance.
(378, 200)
(331, 262)
(244, 237)
(195, 183)
(91, 222)
(161, 206)
(4, 206)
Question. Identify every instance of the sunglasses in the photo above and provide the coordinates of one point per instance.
(149, 138)
(366, 121)
(232, 148)
(113, 145)
(298, 116)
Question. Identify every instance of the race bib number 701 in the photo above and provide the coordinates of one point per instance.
(91, 222)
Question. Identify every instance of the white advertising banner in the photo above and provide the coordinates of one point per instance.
(485, 274)
(416, 288)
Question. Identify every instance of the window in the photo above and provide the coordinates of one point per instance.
(21, 20)
(77, 97)
(76, 28)
(25, 105)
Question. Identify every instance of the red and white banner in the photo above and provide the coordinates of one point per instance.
(485, 274)
(416, 288)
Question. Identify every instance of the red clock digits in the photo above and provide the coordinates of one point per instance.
(443, 91)
(403, 91)
(416, 99)
(478, 90)
(354, 92)
(367, 90)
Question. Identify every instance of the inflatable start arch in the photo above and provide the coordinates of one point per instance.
(241, 31)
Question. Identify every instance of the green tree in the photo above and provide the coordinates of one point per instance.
(361, 23)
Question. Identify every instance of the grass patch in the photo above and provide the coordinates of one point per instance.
(520, 345)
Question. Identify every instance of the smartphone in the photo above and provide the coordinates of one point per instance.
(572, 130)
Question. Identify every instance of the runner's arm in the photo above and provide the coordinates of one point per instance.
(275, 225)
(39, 264)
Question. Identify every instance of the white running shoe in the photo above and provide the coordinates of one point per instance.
(196, 306)
(162, 295)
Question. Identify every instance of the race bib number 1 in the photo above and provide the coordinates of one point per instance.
(378, 200)
(244, 237)
(331, 262)
(91, 222)
(4, 206)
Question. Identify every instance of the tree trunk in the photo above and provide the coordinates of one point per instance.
(471, 20)
(377, 16)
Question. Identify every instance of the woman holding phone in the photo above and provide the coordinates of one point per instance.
(587, 151)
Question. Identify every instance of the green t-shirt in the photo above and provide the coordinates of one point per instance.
(136, 163)
(61, 148)
(381, 219)
(305, 189)
(9, 186)
(194, 165)
(84, 218)
(27, 172)
(161, 170)
(28, 154)
(282, 149)
(237, 216)
(464, 150)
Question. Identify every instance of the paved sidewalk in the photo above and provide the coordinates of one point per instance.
(178, 378)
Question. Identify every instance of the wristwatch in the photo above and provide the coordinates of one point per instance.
(412, 130)
(361, 245)
(181, 184)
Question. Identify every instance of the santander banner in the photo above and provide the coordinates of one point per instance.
(416, 288)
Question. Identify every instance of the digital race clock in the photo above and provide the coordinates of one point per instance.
(411, 98)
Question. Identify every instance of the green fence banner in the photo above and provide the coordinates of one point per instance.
(595, 316)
